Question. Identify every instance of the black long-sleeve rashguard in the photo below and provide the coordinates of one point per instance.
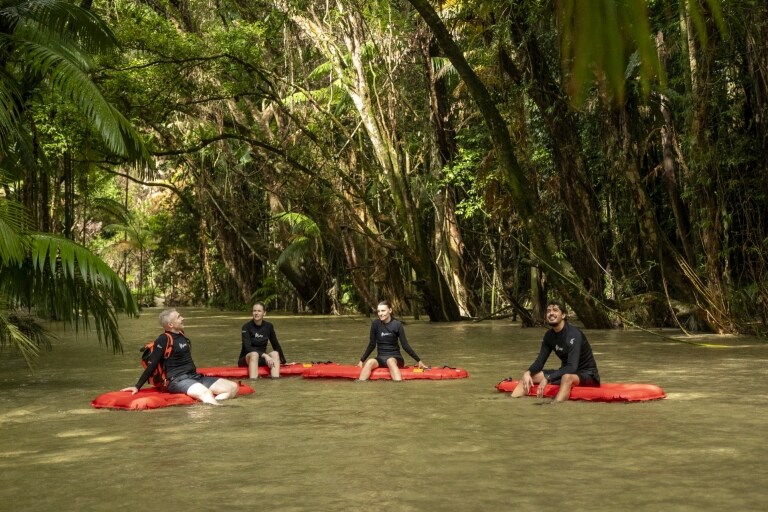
(573, 349)
(255, 338)
(179, 362)
(385, 337)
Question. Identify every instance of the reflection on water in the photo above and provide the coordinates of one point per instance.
(333, 445)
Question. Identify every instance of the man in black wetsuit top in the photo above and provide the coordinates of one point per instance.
(180, 370)
(571, 346)
(255, 335)
(385, 334)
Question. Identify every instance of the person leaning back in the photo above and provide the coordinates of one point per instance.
(180, 369)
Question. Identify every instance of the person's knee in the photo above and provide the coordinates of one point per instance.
(569, 379)
(197, 390)
(371, 364)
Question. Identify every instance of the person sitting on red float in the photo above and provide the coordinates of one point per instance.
(579, 367)
(385, 334)
(255, 335)
(180, 370)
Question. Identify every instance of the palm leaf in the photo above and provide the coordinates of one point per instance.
(10, 97)
(74, 84)
(56, 19)
(22, 333)
(13, 245)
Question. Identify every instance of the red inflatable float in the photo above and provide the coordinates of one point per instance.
(149, 398)
(346, 371)
(607, 392)
(241, 372)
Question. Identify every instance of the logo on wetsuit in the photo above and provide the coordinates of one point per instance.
(571, 342)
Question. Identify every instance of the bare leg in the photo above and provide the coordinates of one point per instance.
(520, 389)
(202, 393)
(223, 389)
(368, 367)
(253, 364)
(394, 370)
(568, 381)
(274, 366)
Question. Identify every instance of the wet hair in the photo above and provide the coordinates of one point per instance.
(165, 316)
(560, 306)
(385, 303)
(259, 303)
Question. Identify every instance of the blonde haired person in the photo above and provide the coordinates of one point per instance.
(179, 367)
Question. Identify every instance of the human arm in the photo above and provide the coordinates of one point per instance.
(245, 337)
(407, 346)
(527, 381)
(155, 357)
(541, 359)
(371, 343)
(276, 344)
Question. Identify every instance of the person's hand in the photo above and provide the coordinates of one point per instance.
(359, 364)
(269, 361)
(422, 365)
(527, 382)
(540, 391)
(132, 389)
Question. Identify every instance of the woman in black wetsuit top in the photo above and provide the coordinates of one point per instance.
(387, 334)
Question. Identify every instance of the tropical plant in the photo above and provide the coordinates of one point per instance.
(45, 60)
(47, 44)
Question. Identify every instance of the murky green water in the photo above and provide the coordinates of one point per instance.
(328, 445)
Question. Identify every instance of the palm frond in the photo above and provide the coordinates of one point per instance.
(57, 253)
(74, 84)
(300, 223)
(61, 20)
(65, 281)
(13, 245)
(10, 97)
(109, 208)
(22, 333)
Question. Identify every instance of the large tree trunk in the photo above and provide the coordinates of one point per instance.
(447, 237)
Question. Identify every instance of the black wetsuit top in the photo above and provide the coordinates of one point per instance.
(179, 362)
(385, 337)
(572, 347)
(255, 339)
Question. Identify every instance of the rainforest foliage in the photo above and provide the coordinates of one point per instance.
(459, 158)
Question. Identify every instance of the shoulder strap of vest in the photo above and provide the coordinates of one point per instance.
(169, 347)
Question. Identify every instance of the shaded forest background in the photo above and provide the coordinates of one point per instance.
(461, 159)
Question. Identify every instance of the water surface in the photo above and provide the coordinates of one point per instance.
(337, 445)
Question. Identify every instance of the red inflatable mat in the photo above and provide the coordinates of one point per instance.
(348, 371)
(241, 372)
(607, 392)
(149, 398)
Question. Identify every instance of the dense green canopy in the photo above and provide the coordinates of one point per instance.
(461, 159)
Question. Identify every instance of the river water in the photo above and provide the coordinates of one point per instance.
(338, 445)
